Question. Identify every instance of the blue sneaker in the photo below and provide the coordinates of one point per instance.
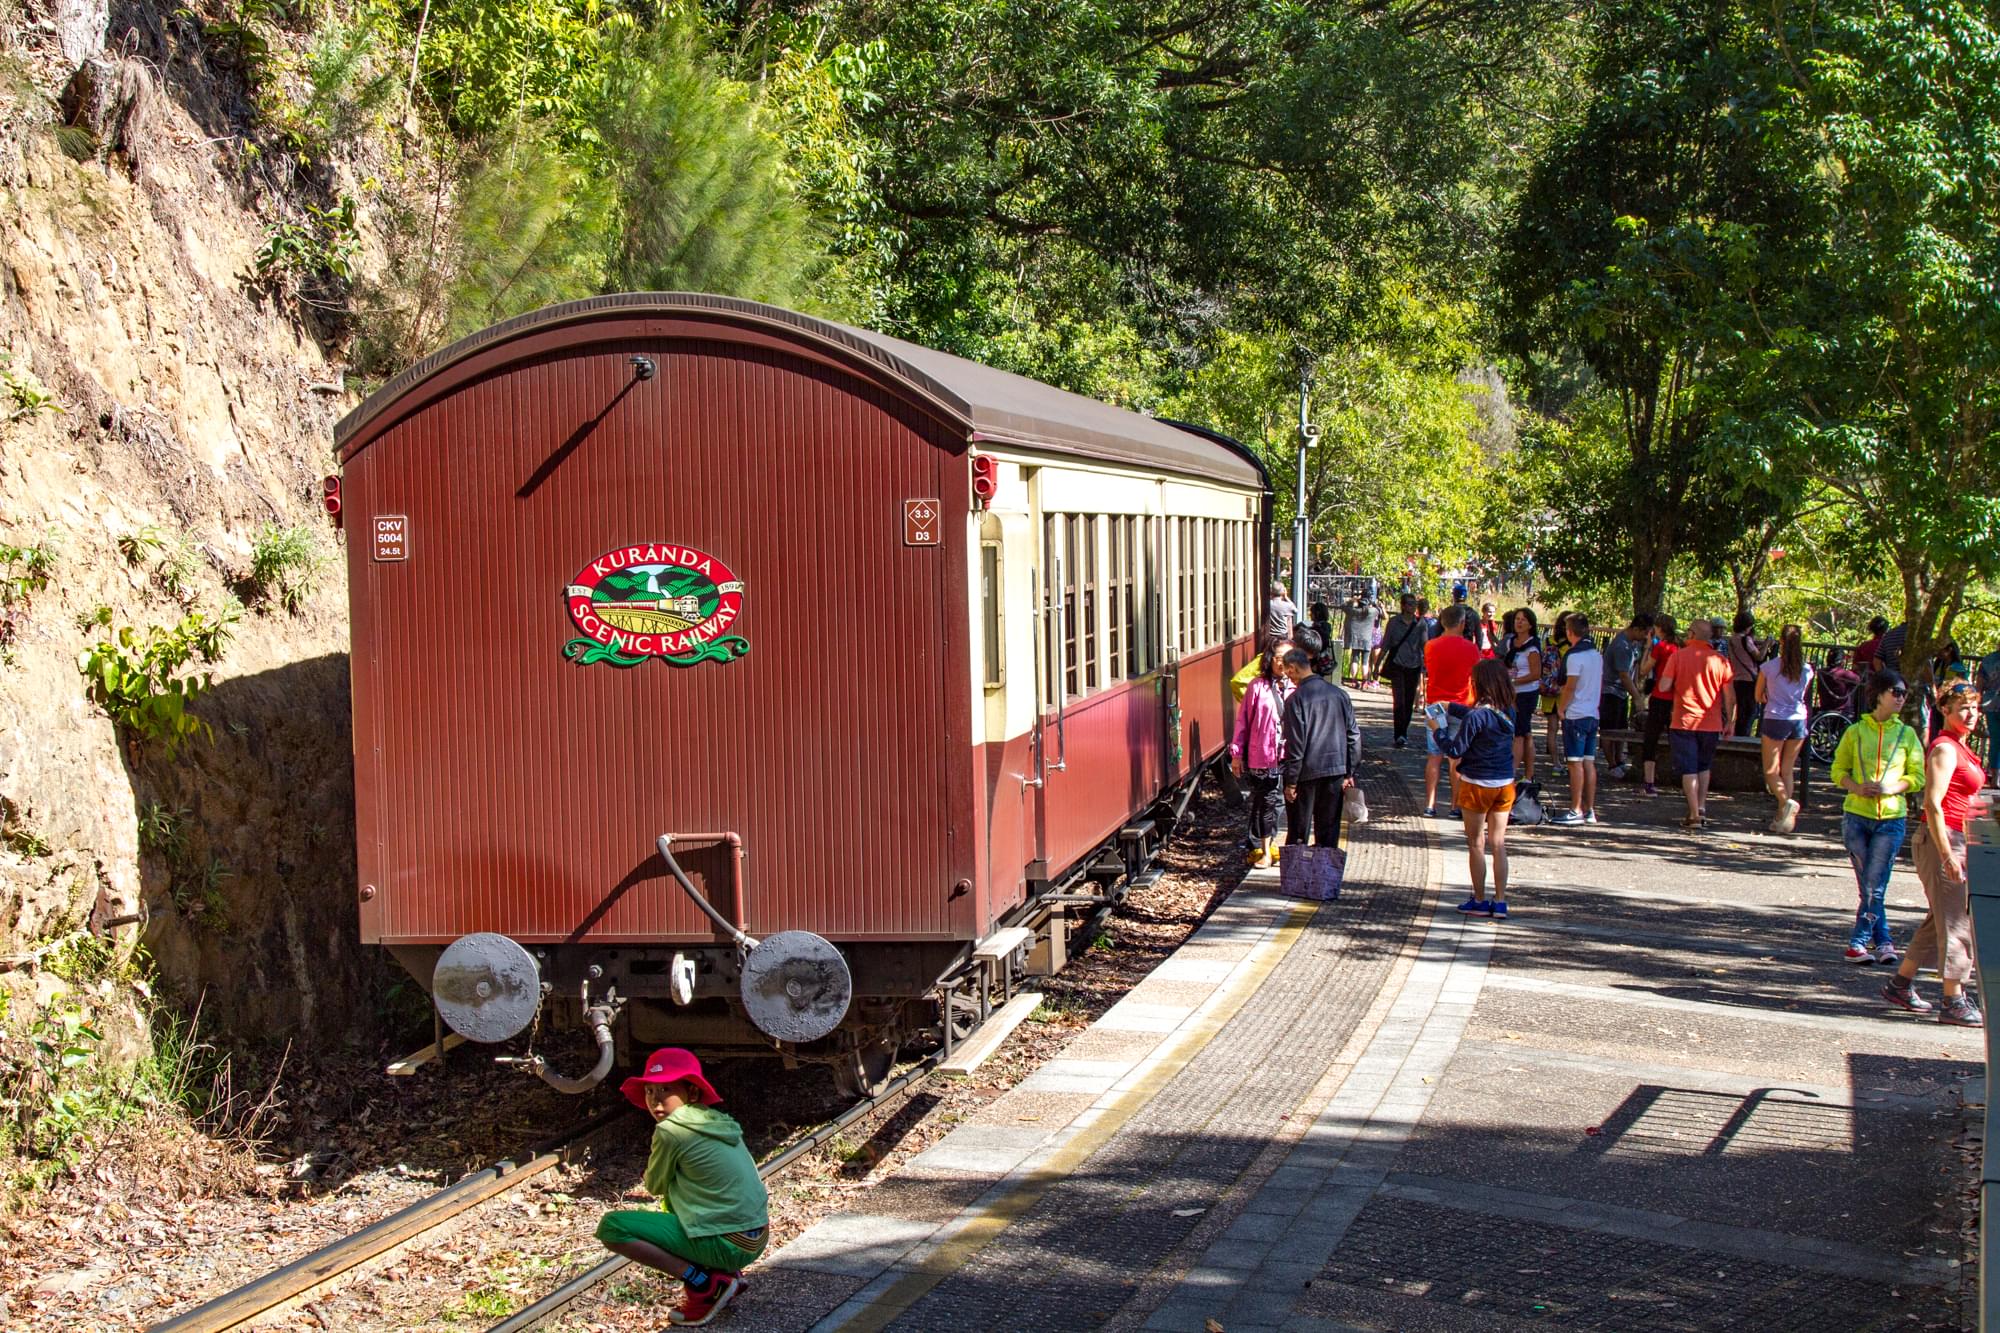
(1473, 906)
(1497, 908)
(1567, 817)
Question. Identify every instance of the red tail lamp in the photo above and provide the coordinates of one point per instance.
(329, 497)
(985, 479)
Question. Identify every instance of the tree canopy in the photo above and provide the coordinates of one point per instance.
(1644, 289)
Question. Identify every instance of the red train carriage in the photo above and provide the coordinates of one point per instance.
(885, 643)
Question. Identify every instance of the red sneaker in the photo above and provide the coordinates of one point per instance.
(698, 1307)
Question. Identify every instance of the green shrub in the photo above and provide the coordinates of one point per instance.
(178, 570)
(138, 547)
(285, 563)
(196, 891)
(164, 831)
(24, 393)
(57, 1098)
(145, 682)
(323, 246)
(25, 571)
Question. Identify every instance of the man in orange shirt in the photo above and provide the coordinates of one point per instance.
(1448, 663)
(1704, 708)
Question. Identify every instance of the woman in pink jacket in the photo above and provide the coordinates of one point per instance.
(1259, 747)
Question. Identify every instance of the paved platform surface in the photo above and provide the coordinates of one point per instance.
(1654, 1098)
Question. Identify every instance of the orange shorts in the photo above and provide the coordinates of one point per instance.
(1484, 800)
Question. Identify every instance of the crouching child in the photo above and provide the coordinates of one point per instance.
(713, 1221)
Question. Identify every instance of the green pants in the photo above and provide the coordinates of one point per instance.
(729, 1253)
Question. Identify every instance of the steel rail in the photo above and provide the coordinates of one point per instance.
(559, 1300)
(322, 1265)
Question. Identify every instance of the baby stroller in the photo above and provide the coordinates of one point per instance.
(1839, 693)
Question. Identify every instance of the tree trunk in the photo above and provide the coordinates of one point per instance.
(1652, 550)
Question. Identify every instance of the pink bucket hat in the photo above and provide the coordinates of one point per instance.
(669, 1064)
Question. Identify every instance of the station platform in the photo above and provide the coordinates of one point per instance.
(1654, 1098)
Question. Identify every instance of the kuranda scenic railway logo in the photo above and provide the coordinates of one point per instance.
(660, 600)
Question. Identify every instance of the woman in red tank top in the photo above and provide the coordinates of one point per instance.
(1952, 781)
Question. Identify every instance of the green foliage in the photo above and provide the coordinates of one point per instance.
(141, 546)
(52, 1100)
(345, 85)
(1254, 159)
(196, 891)
(285, 564)
(57, 1095)
(24, 841)
(25, 571)
(661, 174)
(1396, 469)
(704, 200)
(194, 882)
(25, 394)
(164, 831)
(1878, 363)
(492, 63)
(1636, 244)
(323, 246)
(178, 569)
(146, 681)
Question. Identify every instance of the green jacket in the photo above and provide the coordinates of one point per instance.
(1871, 751)
(700, 1167)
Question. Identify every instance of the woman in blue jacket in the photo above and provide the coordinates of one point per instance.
(1482, 740)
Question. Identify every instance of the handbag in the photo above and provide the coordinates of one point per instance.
(1527, 805)
(1314, 873)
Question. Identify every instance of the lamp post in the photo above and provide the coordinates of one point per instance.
(1308, 433)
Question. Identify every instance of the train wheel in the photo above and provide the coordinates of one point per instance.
(863, 1070)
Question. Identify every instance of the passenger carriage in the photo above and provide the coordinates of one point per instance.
(725, 677)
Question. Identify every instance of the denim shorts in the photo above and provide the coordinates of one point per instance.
(1693, 751)
(1579, 737)
(1779, 729)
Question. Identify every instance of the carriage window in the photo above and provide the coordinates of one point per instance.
(1084, 561)
(1118, 594)
(1245, 577)
(1146, 599)
(1213, 541)
(989, 605)
(1229, 576)
(1191, 565)
(1066, 539)
(1051, 627)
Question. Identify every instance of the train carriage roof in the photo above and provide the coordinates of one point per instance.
(988, 405)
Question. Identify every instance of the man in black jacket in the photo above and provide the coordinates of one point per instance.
(1322, 748)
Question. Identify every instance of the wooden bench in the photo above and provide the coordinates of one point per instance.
(1739, 762)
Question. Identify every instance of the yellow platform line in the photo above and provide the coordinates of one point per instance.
(1167, 1060)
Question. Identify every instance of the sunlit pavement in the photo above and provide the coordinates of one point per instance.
(1655, 1097)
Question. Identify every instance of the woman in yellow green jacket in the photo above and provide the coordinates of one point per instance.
(1879, 762)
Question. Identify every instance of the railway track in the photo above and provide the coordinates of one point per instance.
(298, 1279)
(559, 1300)
(315, 1270)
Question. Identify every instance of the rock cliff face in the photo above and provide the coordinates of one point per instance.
(184, 415)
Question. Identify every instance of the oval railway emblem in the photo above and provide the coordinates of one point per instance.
(657, 600)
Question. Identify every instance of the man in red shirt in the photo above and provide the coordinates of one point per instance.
(1704, 707)
(1448, 663)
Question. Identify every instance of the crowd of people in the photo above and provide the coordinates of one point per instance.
(1482, 680)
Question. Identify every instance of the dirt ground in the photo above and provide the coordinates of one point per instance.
(158, 1218)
